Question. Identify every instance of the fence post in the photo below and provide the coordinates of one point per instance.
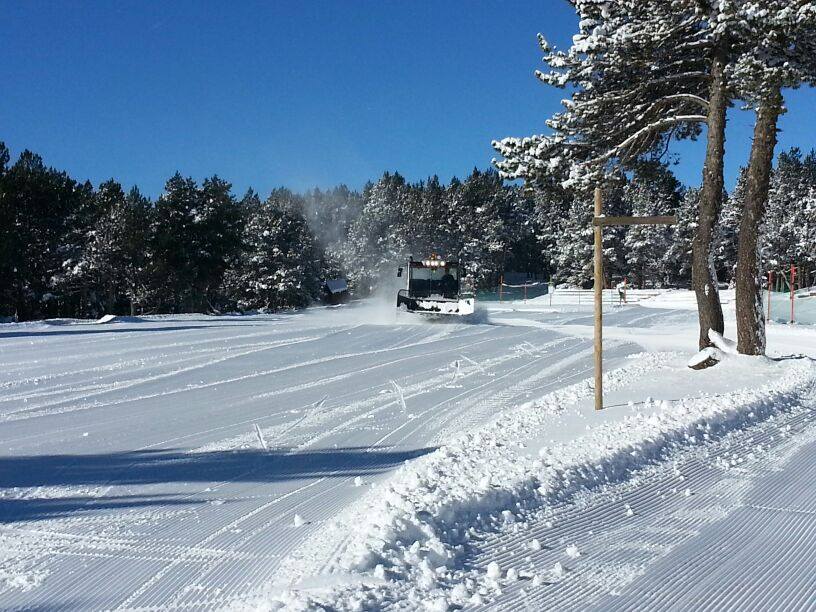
(770, 277)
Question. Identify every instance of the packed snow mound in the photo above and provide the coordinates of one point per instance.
(723, 347)
(108, 318)
(706, 357)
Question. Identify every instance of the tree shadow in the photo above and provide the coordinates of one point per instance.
(43, 508)
(106, 329)
(792, 357)
(153, 467)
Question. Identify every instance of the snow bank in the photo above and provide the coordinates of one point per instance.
(407, 544)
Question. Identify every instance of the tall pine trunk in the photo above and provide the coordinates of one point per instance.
(750, 313)
(703, 276)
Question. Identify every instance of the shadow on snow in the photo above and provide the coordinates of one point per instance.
(82, 329)
(157, 467)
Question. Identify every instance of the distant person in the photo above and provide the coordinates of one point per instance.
(621, 287)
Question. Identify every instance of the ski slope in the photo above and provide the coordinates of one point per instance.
(196, 462)
(132, 473)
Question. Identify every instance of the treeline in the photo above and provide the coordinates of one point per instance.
(68, 249)
(660, 256)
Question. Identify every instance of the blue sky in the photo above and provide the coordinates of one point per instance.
(298, 93)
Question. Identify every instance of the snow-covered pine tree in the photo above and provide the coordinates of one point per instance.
(101, 266)
(724, 250)
(643, 71)
(330, 215)
(377, 242)
(652, 191)
(525, 247)
(616, 203)
(789, 229)
(217, 226)
(548, 216)
(48, 212)
(8, 236)
(173, 246)
(637, 81)
(574, 245)
(676, 262)
(136, 250)
(427, 223)
(278, 266)
(491, 224)
(784, 55)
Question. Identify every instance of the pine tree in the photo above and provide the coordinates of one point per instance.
(377, 240)
(724, 251)
(217, 237)
(789, 229)
(45, 208)
(136, 254)
(574, 245)
(643, 71)
(490, 221)
(676, 263)
(174, 245)
(784, 56)
(330, 215)
(8, 237)
(548, 217)
(653, 191)
(103, 259)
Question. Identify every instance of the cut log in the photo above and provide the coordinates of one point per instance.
(706, 358)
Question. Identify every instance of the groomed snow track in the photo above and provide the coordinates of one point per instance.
(132, 473)
(207, 462)
(661, 541)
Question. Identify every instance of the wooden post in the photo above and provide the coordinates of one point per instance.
(598, 224)
(770, 281)
(792, 277)
(598, 229)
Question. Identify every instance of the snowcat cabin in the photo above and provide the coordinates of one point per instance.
(438, 279)
(433, 287)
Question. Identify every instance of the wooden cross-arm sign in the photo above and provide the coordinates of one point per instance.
(659, 220)
(599, 222)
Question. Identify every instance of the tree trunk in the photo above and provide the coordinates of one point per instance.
(703, 277)
(750, 313)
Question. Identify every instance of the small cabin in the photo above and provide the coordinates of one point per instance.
(335, 291)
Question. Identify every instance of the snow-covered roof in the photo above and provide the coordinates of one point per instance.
(336, 285)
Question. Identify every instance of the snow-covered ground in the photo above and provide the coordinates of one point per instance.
(342, 457)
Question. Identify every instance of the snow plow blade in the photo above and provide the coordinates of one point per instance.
(463, 306)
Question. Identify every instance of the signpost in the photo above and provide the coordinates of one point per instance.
(599, 222)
